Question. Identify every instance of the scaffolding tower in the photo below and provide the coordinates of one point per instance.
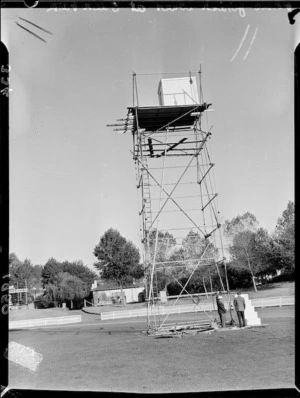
(179, 218)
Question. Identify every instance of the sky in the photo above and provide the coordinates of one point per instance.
(72, 178)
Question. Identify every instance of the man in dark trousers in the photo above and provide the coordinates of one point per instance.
(221, 309)
(240, 305)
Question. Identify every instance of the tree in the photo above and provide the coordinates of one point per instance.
(71, 288)
(37, 274)
(238, 277)
(241, 252)
(50, 271)
(174, 276)
(54, 280)
(118, 259)
(266, 254)
(14, 264)
(286, 224)
(246, 222)
(240, 236)
(284, 239)
(78, 269)
(253, 251)
(51, 294)
(193, 245)
(164, 250)
(21, 272)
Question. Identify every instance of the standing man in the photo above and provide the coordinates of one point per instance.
(221, 310)
(240, 305)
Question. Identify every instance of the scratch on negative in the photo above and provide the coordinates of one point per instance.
(253, 38)
(241, 43)
(4, 391)
(24, 356)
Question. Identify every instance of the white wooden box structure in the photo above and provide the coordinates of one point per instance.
(178, 91)
(251, 316)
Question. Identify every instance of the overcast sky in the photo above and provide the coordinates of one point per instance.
(72, 178)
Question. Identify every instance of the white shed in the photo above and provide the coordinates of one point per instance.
(107, 292)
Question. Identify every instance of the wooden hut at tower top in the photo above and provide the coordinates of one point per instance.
(178, 91)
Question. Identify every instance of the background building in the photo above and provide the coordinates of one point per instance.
(109, 293)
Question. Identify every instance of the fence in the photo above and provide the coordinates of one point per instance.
(180, 309)
(273, 301)
(44, 322)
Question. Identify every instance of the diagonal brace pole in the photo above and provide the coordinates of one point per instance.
(180, 178)
(169, 197)
(170, 273)
(192, 273)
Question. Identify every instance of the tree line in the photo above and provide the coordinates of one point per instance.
(258, 255)
(253, 255)
(62, 282)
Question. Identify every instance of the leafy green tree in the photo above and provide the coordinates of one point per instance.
(241, 252)
(21, 272)
(71, 288)
(78, 269)
(14, 264)
(175, 275)
(174, 270)
(51, 294)
(252, 251)
(285, 227)
(37, 274)
(13, 259)
(162, 246)
(284, 239)
(263, 256)
(246, 222)
(118, 259)
(238, 277)
(193, 245)
(240, 235)
(53, 278)
(202, 281)
(50, 271)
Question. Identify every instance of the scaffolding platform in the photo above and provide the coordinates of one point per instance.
(158, 118)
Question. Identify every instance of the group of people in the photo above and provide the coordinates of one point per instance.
(239, 305)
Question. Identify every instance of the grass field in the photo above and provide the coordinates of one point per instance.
(272, 290)
(19, 315)
(117, 356)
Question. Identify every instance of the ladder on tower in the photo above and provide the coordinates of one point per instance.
(146, 198)
(144, 184)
